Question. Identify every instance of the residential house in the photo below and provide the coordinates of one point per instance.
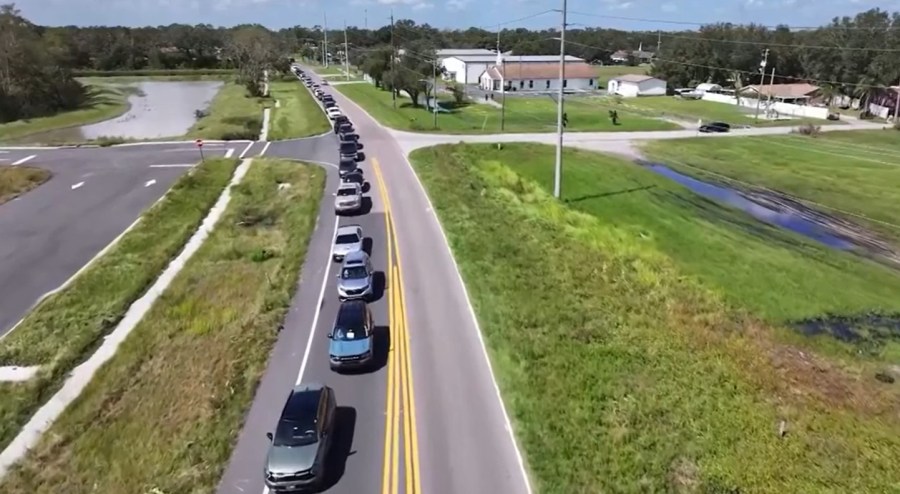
(535, 77)
(467, 69)
(639, 55)
(620, 56)
(632, 85)
(800, 93)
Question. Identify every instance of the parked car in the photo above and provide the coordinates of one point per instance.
(348, 198)
(339, 121)
(714, 127)
(328, 103)
(349, 136)
(349, 149)
(324, 83)
(348, 239)
(302, 439)
(346, 166)
(333, 112)
(353, 336)
(355, 177)
(356, 277)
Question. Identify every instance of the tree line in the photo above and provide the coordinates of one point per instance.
(852, 55)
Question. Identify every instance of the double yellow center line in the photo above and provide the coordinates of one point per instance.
(400, 395)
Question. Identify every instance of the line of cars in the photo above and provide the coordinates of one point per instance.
(304, 434)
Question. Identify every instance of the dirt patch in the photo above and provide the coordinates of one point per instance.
(15, 181)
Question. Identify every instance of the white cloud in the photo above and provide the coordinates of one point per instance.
(669, 7)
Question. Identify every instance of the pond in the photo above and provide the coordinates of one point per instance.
(158, 109)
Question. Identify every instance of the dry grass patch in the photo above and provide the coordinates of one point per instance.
(15, 181)
(67, 326)
(165, 411)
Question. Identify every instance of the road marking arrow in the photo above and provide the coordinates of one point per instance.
(75, 186)
(24, 160)
(149, 183)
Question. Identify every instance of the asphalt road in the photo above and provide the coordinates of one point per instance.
(443, 420)
(93, 195)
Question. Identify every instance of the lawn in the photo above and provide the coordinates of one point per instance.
(232, 115)
(299, 114)
(104, 102)
(67, 326)
(15, 181)
(853, 172)
(523, 114)
(644, 372)
(163, 414)
(708, 111)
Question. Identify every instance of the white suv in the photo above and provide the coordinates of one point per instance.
(348, 198)
(333, 112)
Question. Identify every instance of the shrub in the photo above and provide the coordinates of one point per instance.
(808, 130)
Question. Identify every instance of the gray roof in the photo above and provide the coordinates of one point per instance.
(514, 58)
(345, 229)
(453, 52)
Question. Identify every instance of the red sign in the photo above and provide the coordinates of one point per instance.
(199, 143)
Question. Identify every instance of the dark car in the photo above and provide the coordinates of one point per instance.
(349, 136)
(714, 127)
(353, 336)
(302, 439)
(345, 127)
(328, 103)
(349, 149)
(355, 177)
(346, 166)
(339, 121)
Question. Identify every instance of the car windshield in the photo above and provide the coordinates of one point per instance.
(355, 178)
(349, 334)
(346, 192)
(354, 273)
(350, 238)
(293, 433)
(348, 147)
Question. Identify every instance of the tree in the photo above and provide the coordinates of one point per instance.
(458, 91)
(414, 68)
(252, 50)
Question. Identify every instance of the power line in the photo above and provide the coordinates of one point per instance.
(740, 71)
(702, 24)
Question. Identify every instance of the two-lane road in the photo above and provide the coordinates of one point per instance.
(431, 421)
(93, 195)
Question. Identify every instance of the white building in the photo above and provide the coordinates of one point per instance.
(538, 77)
(631, 85)
(463, 52)
(708, 87)
(467, 69)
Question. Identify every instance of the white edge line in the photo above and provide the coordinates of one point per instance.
(229, 153)
(315, 321)
(75, 186)
(244, 152)
(161, 143)
(24, 160)
(47, 414)
(478, 332)
(184, 165)
(265, 148)
(30, 148)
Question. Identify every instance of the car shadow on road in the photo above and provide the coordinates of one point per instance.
(360, 156)
(379, 282)
(341, 448)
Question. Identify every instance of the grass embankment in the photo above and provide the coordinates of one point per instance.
(15, 181)
(104, 102)
(624, 361)
(708, 111)
(523, 114)
(164, 412)
(63, 329)
(299, 114)
(232, 115)
(853, 171)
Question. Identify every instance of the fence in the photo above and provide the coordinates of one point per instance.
(782, 109)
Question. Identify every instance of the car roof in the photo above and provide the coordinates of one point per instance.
(348, 185)
(351, 314)
(348, 229)
(356, 257)
(303, 404)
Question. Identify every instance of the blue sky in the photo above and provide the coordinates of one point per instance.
(440, 13)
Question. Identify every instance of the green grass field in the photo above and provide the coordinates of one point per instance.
(105, 102)
(646, 370)
(299, 114)
(708, 111)
(15, 181)
(163, 414)
(855, 172)
(232, 115)
(523, 114)
(65, 328)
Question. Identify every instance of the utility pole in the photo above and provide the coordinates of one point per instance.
(771, 90)
(346, 53)
(502, 83)
(762, 80)
(393, 56)
(896, 104)
(658, 41)
(325, 32)
(557, 176)
(434, 90)
(366, 19)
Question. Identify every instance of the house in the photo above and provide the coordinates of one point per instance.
(800, 93)
(463, 52)
(708, 87)
(631, 85)
(641, 56)
(467, 69)
(535, 76)
(620, 56)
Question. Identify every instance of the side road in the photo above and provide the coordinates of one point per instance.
(81, 376)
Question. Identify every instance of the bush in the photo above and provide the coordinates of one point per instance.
(808, 130)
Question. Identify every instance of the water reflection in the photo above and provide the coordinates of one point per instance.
(786, 219)
(158, 109)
